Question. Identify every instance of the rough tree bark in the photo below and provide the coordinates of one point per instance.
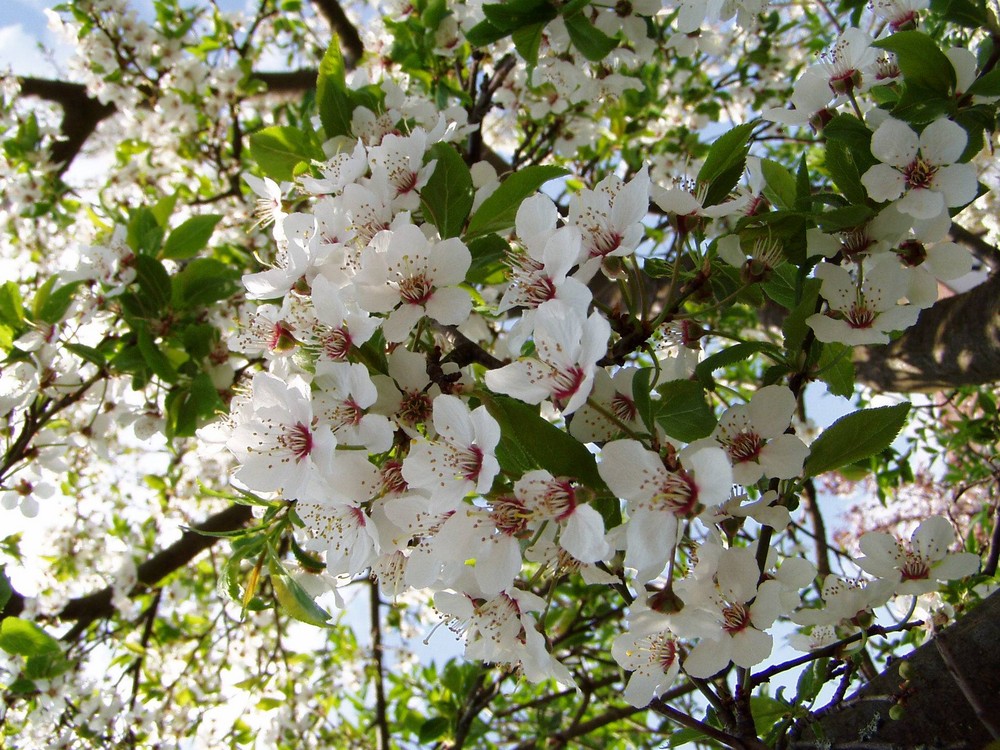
(949, 696)
(955, 342)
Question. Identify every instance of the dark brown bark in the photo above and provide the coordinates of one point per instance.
(955, 342)
(350, 41)
(949, 699)
(289, 82)
(97, 605)
(81, 115)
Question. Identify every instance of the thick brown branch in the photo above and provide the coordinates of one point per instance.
(86, 609)
(350, 40)
(936, 711)
(288, 82)
(983, 250)
(81, 114)
(955, 342)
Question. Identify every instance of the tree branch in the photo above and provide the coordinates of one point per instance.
(288, 81)
(984, 251)
(97, 605)
(955, 342)
(707, 729)
(383, 734)
(81, 114)
(350, 41)
(936, 711)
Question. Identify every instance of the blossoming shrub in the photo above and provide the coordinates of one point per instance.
(509, 354)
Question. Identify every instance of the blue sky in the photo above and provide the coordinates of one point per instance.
(23, 25)
(27, 13)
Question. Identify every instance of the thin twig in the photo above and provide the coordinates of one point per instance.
(830, 650)
(692, 723)
(990, 568)
(819, 528)
(381, 707)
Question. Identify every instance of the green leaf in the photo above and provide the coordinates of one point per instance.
(202, 282)
(190, 237)
(515, 14)
(333, 98)
(921, 61)
(25, 638)
(811, 681)
(432, 729)
(6, 590)
(11, 305)
(154, 283)
(783, 285)
(144, 234)
(163, 208)
(50, 303)
(728, 356)
(854, 437)
(281, 148)
(88, 353)
(683, 737)
(527, 40)
(154, 357)
(641, 396)
(294, 600)
(446, 199)
(683, 412)
(488, 253)
(975, 120)
(794, 327)
(205, 399)
(497, 212)
(969, 13)
(434, 14)
(767, 711)
(657, 268)
(986, 85)
(779, 187)
(845, 217)
(803, 188)
(593, 43)
(484, 33)
(22, 686)
(845, 174)
(836, 369)
(919, 104)
(306, 559)
(535, 441)
(199, 339)
(850, 131)
(729, 152)
(45, 666)
(190, 406)
(130, 360)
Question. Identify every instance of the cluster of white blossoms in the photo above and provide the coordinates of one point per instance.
(396, 370)
(889, 266)
(388, 442)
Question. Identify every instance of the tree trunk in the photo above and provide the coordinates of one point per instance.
(955, 342)
(950, 699)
